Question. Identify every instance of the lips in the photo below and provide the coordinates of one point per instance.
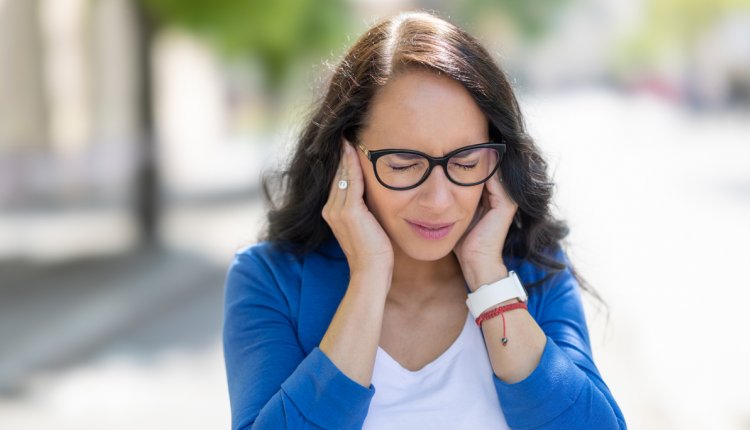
(429, 230)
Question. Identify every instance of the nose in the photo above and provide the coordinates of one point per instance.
(435, 192)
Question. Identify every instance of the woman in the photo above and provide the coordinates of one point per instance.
(413, 186)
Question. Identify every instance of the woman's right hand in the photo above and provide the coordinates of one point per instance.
(363, 240)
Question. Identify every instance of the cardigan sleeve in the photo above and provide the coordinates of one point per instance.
(272, 384)
(565, 391)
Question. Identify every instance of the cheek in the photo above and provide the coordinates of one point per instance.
(384, 204)
(375, 196)
(470, 201)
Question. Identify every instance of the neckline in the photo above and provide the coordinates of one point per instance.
(448, 353)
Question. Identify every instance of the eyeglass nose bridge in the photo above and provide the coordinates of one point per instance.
(432, 163)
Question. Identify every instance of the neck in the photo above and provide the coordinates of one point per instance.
(416, 283)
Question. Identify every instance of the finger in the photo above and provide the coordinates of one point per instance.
(497, 191)
(343, 175)
(335, 195)
(355, 192)
(492, 193)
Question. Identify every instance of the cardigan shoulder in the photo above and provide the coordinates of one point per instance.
(306, 288)
(278, 263)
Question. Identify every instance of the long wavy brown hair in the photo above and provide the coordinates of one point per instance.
(403, 42)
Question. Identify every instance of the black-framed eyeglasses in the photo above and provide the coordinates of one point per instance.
(404, 169)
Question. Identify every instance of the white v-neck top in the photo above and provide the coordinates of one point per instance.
(455, 391)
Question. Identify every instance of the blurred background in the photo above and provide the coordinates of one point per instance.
(133, 134)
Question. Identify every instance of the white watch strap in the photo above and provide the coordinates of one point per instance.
(490, 295)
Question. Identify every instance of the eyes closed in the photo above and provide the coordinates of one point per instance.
(401, 169)
(465, 160)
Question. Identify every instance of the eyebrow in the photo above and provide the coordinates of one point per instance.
(424, 152)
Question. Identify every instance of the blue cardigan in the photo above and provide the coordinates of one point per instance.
(278, 307)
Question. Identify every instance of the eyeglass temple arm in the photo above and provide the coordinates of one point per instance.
(364, 150)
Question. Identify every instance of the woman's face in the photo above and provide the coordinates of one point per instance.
(434, 114)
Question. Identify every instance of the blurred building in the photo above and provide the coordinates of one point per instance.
(68, 101)
(84, 99)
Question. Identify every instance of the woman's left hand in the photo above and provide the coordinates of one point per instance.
(479, 251)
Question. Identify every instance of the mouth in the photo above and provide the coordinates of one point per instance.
(429, 230)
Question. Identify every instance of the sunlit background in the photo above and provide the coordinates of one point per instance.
(133, 134)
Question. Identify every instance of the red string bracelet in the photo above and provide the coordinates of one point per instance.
(500, 310)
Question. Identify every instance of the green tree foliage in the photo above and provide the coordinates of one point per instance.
(532, 18)
(276, 32)
(673, 25)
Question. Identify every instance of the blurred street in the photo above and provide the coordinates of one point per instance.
(658, 201)
(124, 340)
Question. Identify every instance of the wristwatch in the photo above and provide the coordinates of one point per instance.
(489, 295)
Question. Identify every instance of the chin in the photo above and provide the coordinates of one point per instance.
(425, 250)
(428, 253)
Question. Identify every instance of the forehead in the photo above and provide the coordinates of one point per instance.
(424, 111)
